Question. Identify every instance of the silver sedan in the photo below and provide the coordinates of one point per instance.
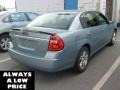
(62, 40)
(12, 19)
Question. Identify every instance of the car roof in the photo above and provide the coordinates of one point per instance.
(4, 12)
(66, 11)
(57, 12)
(71, 12)
(18, 12)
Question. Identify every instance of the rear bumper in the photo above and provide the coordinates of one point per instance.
(44, 64)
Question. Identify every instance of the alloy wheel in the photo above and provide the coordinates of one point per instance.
(4, 43)
(84, 56)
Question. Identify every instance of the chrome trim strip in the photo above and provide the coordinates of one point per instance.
(31, 38)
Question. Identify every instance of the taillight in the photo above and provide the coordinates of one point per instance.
(55, 43)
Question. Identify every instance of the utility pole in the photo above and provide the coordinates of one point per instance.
(109, 9)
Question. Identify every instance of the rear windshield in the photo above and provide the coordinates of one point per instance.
(56, 21)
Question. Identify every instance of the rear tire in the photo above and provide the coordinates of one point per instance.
(4, 43)
(82, 60)
(113, 40)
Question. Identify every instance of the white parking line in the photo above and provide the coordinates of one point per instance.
(5, 60)
(107, 75)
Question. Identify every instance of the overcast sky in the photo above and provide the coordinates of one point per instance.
(8, 3)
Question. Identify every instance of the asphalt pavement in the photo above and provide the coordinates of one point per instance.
(103, 72)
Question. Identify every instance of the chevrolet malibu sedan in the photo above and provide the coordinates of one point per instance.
(12, 19)
(62, 40)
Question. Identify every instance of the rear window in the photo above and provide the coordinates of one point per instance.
(56, 21)
(31, 16)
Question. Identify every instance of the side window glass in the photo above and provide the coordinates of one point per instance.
(18, 17)
(87, 20)
(32, 16)
(101, 19)
(7, 19)
(105, 19)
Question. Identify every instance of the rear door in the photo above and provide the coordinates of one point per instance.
(103, 25)
(92, 29)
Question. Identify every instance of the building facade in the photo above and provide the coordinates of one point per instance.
(56, 5)
(41, 6)
(112, 9)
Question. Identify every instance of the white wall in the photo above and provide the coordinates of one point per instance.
(103, 6)
(58, 5)
(52, 5)
(87, 4)
(40, 5)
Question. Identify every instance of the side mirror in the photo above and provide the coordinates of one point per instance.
(118, 24)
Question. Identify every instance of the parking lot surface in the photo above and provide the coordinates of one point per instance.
(103, 72)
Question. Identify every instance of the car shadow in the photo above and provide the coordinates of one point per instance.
(49, 77)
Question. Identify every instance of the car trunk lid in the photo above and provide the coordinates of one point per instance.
(33, 41)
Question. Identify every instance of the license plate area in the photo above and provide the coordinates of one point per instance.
(26, 43)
